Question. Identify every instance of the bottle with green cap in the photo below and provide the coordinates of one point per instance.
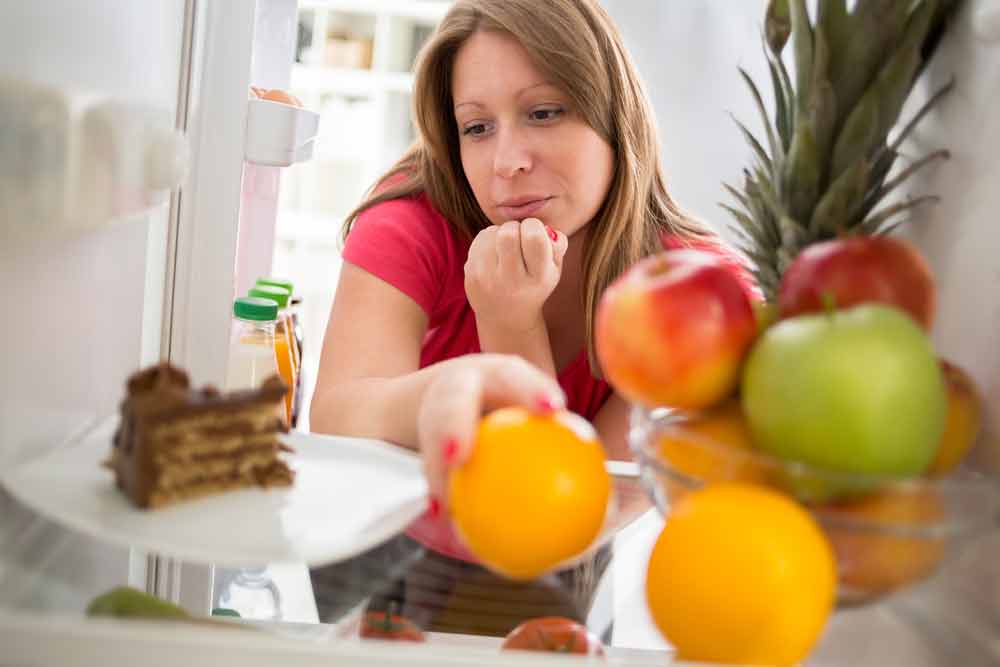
(290, 313)
(284, 348)
(251, 343)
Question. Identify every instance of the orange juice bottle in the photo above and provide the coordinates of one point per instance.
(292, 324)
(283, 347)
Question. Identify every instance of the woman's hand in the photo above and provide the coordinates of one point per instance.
(459, 396)
(511, 270)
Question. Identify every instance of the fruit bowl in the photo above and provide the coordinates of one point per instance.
(887, 533)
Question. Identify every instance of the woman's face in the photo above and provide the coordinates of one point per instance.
(526, 152)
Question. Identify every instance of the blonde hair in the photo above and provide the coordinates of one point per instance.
(574, 44)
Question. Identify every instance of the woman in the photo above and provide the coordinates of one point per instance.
(534, 183)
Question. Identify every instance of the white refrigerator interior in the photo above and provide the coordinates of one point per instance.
(106, 271)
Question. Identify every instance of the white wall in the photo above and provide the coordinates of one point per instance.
(687, 52)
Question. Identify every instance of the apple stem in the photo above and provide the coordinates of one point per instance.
(829, 302)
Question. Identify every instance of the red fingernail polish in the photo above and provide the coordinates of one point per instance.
(545, 405)
(552, 234)
(434, 508)
(450, 451)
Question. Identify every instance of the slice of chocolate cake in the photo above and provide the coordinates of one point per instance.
(175, 443)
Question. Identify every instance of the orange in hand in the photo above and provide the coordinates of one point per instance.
(741, 574)
(533, 493)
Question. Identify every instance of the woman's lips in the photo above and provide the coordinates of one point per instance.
(523, 210)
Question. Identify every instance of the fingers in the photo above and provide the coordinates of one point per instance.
(454, 403)
(559, 246)
(514, 381)
(536, 246)
(446, 424)
(510, 260)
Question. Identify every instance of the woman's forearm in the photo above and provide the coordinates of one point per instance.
(381, 408)
(532, 345)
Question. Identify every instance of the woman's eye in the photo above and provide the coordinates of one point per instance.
(475, 129)
(545, 114)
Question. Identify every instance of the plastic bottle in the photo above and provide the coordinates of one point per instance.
(251, 343)
(292, 312)
(283, 344)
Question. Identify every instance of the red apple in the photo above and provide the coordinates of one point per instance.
(858, 270)
(674, 329)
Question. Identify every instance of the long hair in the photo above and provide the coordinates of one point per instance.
(576, 46)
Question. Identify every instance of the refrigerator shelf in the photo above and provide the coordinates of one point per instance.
(279, 135)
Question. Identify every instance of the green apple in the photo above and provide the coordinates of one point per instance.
(857, 390)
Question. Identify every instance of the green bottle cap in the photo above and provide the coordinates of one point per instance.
(277, 283)
(224, 611)
(255, 308)
(277, 294)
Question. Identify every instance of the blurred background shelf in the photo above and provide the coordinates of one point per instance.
(353, 65)
(349, 81)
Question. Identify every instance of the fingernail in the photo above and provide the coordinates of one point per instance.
(450, 451)
(434, 508)
(552, 233)
(545, 405)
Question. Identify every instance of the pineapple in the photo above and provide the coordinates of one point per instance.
(824, 171)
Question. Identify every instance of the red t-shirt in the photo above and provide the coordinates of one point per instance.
(408, 244)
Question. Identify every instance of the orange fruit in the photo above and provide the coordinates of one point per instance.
(741, 574)
(712, 446)
(533, 493)
(965, 418)
(884, 542)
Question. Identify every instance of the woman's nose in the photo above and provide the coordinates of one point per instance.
(512, 154)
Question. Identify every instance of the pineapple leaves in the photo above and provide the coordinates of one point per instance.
(822, 104)
(752, 140)
(896, 78)
(831, 169)
(784, 98)
(782, 116)
(802, 42)
(833, 20)
(841, 201)
(802, 172)
(872, 224)
(880, 192)
(777, 25)
(859, 136)
(772, 142)
(878, 109)
(875, 27)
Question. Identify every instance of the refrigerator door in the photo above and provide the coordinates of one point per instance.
(86, 295)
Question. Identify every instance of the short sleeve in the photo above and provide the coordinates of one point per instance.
(403, 243)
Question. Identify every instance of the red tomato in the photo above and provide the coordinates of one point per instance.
(389, 625)
(555, 634)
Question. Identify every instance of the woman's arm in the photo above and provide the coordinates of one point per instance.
(369, 382)
(611, 423)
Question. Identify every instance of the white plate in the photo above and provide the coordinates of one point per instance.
(349, 495)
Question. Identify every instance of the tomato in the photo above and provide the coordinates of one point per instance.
(554, 634)
(390, 625)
